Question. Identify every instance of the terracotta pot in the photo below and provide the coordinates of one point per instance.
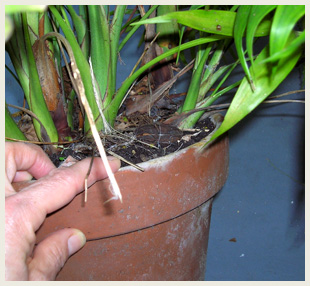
(159, 232)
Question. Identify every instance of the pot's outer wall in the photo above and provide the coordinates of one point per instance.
(159, 232)
(147, 254)
(150, 197)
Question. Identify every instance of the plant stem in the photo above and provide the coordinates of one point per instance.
(193, 90)
(115, 30)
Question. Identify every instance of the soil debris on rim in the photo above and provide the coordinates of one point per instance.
(142, 143)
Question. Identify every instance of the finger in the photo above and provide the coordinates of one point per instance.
(21, 176)
(51, 254)
(26, 157)
(23, 179)
(59, 187)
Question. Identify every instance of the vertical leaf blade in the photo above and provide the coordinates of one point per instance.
(257, 14)
(83, 67)
(239, 29)
(36, 99)
(285, 18)
(100, 47)
(11, 128)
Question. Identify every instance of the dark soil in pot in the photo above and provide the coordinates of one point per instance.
(136, 145)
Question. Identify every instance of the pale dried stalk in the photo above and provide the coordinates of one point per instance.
(77, 76)
(81, 94)
(87, 175)
(107, 128)
(126, 161)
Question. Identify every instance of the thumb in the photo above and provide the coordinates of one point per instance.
(51, 254)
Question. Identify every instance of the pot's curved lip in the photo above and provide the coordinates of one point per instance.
(162, 162)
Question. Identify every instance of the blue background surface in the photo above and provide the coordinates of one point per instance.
(262, 202)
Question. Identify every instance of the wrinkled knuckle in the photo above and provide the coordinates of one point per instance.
(56, 257)
(38, 275)
(61, 176)
(15, 207)
(11, 203)
(47, 269)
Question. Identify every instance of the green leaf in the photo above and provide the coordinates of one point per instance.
(290, 49)
(10, 9)
(245, 100)
(33, 25)
(111, 112)
(11, 128)
(239, 29)
(211, 79)
(81, 30)
(211, 21)
(115, 30)
(193, 90)
(257, 14)
(83, 67)
(9, 27)
(168, 32)
(20, 64)
(132, 31)
(285, 19)
(192, 119)
(36, 99)
(100, 45)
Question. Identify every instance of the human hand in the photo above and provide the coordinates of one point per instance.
(26, 210)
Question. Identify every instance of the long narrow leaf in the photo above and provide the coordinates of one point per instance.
(257, 14)
(212, 21)
(193, 90)
(239, 29)
(210, 69)
(82, 65)
(135, 28)
(81, 30)
(17, 43)
(245, 100)
(100, 45)
(36, 99)
(11, 128)
(111, 113)
(115, 31)
(208, 83)
(192, 119)
(290, 49)
(20, 69)
(285, 18)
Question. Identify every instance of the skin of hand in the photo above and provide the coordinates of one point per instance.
(26, 210)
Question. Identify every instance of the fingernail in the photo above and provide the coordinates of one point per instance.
(76, 242)
(111, 158)
(68, 162)
(22, 176)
